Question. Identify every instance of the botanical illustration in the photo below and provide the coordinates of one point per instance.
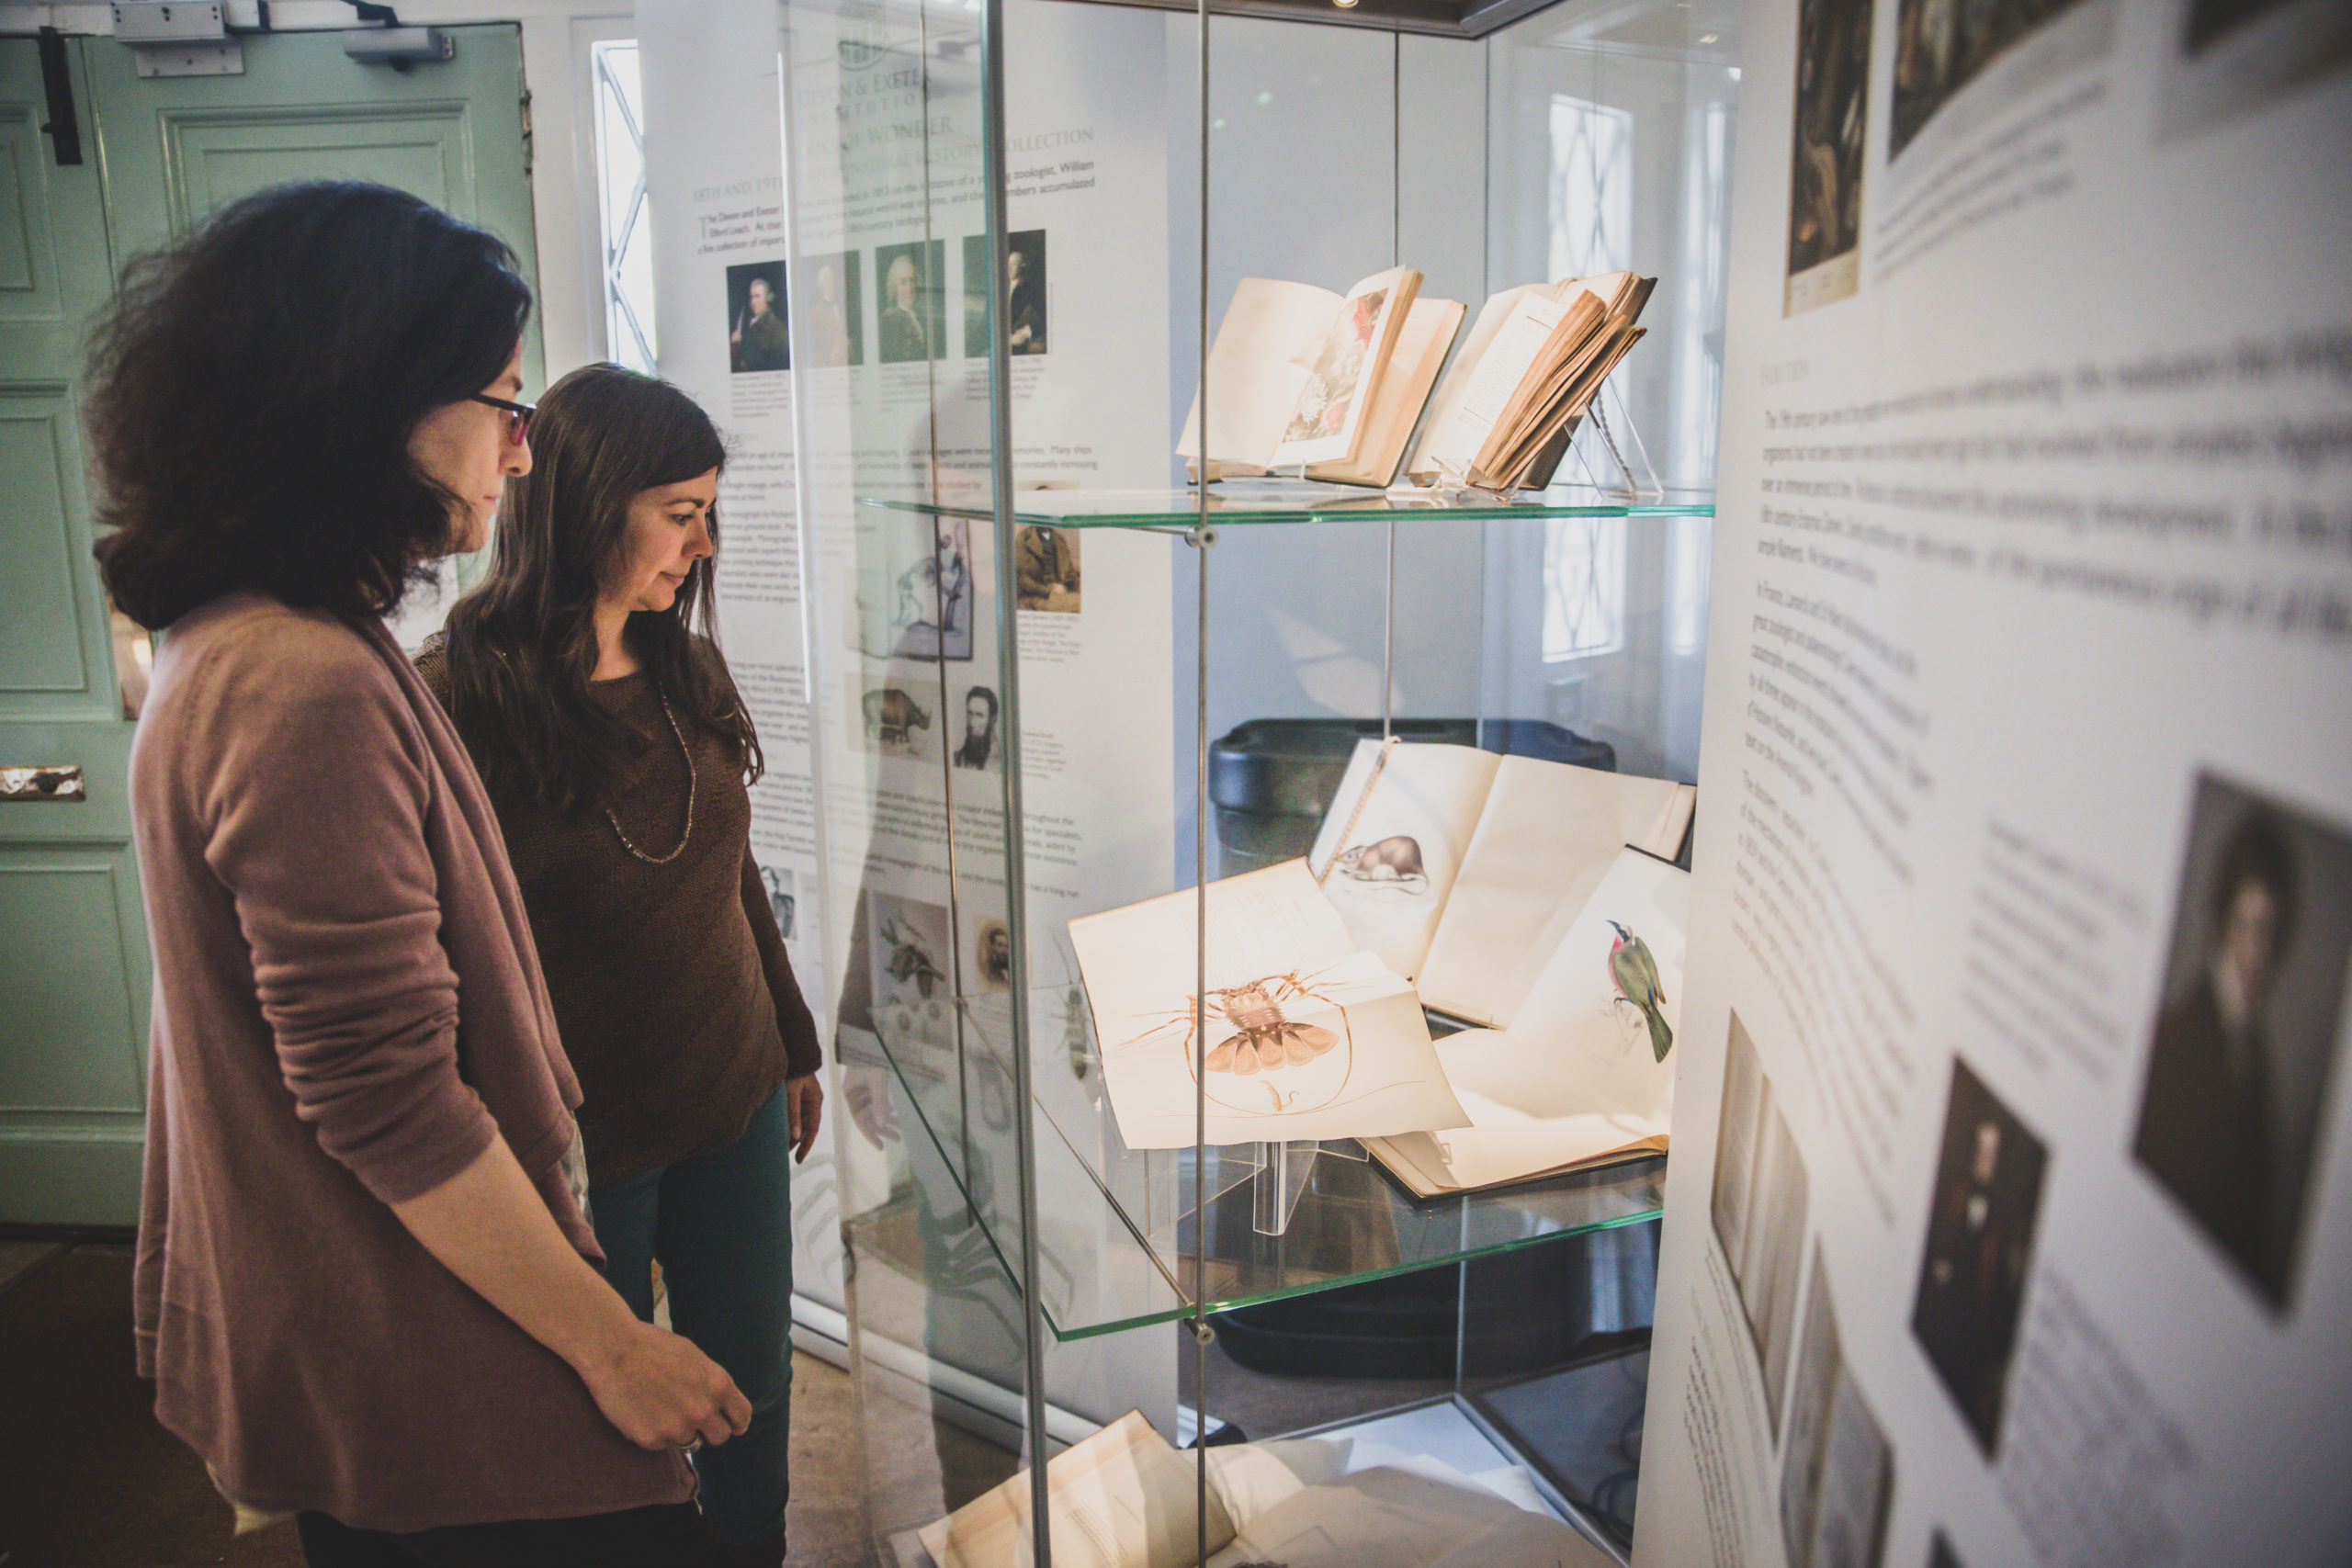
(1331, 387)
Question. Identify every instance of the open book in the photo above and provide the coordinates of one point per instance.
(1461, 869)
(1306, 1036)
(1301, 376)
(1124, 1498)
(1527, 373)
(1586, 1070)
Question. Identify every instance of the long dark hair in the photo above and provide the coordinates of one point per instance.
(522, 646)
(255, 385)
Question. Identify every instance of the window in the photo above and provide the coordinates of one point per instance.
(1592, 187)
(1584, 587)
(627, 233)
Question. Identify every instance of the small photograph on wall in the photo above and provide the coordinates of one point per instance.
(914, 998)
(1758, 1207)
(1981, 1221)
(896, 715)
(756, 339)
(930, 608)
(1025, 293)
(1825, 174)
(1838, 1470)
(832, 323)
(2236, 55)
(992, 953)
(976, 745)
(1940, 49)
(2245, 1040)
(783, 897)
(911, 321)
(1045, 568)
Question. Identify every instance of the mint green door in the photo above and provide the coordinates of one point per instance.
(158, 154)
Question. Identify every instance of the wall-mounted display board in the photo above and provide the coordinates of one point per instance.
(2010, 1213)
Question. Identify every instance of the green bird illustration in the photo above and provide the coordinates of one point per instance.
(1634, 972)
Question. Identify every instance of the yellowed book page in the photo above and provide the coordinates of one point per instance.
(1548, 835)
(1578, 324)
(1429, 330)
(1393, 841)
(1306, 1038)
(1264, 349)
(1447, 444)
(1507, 453)
(1122, 1498)
(1579, 1075)
(1327, 426)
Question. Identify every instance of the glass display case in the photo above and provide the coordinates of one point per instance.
(1012, 229)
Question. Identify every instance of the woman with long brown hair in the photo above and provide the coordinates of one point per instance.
(586, 677)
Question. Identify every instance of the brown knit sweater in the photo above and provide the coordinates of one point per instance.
(673, 994)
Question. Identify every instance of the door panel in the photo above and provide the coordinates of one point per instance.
(451, 132)
(66, 1045)
(74, 972)
(44, 650)
(74, 969)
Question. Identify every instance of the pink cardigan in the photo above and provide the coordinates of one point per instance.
(348, 1010)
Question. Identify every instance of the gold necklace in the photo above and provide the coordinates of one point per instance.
(682, 752)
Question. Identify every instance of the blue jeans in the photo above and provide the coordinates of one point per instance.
(721, 1225)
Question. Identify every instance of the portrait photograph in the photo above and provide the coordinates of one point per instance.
(756, 337)
(1940, 47)
(1045, 569)
(1825, 174)
(992, 953)
(976, 743)
(1758, 1207)
(2237, 55)
(2246, 1041)
(1981, 1221)
(783, 901)
(1838, 1470)
(832, 323)
(1024, 294)
(910, 306)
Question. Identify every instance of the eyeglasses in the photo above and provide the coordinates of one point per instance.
(518, 415)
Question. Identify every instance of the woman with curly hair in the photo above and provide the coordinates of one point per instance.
(366, 1285)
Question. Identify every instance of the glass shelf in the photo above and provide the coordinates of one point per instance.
(1248, 501)
(1119, 1229)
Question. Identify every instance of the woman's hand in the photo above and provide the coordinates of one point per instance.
(490, 1228)
(804, 1110)
(661, 1391)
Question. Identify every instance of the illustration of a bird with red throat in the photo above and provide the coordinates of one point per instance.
(1635, 974)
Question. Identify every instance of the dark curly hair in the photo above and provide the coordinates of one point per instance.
(521, 648)
(255, 385)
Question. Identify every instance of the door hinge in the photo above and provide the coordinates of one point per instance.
(63, 130)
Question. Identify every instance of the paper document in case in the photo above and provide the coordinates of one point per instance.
(1497, 855)
(1122, 1498)
(1393, 843)
(1306, 1036)
(1587, 1068)
(1389, 1518)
